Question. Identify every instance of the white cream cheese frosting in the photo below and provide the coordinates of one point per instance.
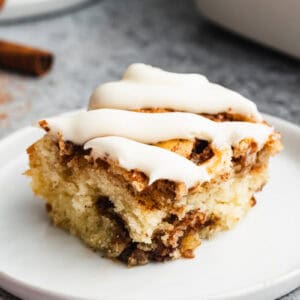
(151, 128)
(147, 87)
(111, 130)
(148, 74)
(156, 163)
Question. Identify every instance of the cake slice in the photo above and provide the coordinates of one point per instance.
(158, 162)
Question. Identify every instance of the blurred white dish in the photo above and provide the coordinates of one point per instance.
(275, 23)
(259, 259)
(15, 9)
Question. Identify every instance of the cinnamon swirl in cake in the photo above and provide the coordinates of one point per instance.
(157, 163)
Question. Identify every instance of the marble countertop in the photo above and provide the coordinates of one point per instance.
(96, 42)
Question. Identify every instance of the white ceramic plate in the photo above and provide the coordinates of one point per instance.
(259, 259)
(15, 9)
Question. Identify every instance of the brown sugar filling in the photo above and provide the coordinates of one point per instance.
(183, 236)
(226, 117)
(201, 152)
(219, 117)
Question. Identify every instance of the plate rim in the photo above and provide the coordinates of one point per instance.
(20, 11)
(21, 288)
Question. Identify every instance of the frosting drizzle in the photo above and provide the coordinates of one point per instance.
(113, 131)
(151, 128)
(147, 87)
(156, 163)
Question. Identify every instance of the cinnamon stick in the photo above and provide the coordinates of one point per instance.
(2, 3)
(24, 59)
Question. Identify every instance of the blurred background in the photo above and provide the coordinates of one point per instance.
(94, 41)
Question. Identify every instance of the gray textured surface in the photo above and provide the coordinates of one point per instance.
(96, 43)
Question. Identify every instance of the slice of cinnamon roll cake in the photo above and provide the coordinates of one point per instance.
(158, 162)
